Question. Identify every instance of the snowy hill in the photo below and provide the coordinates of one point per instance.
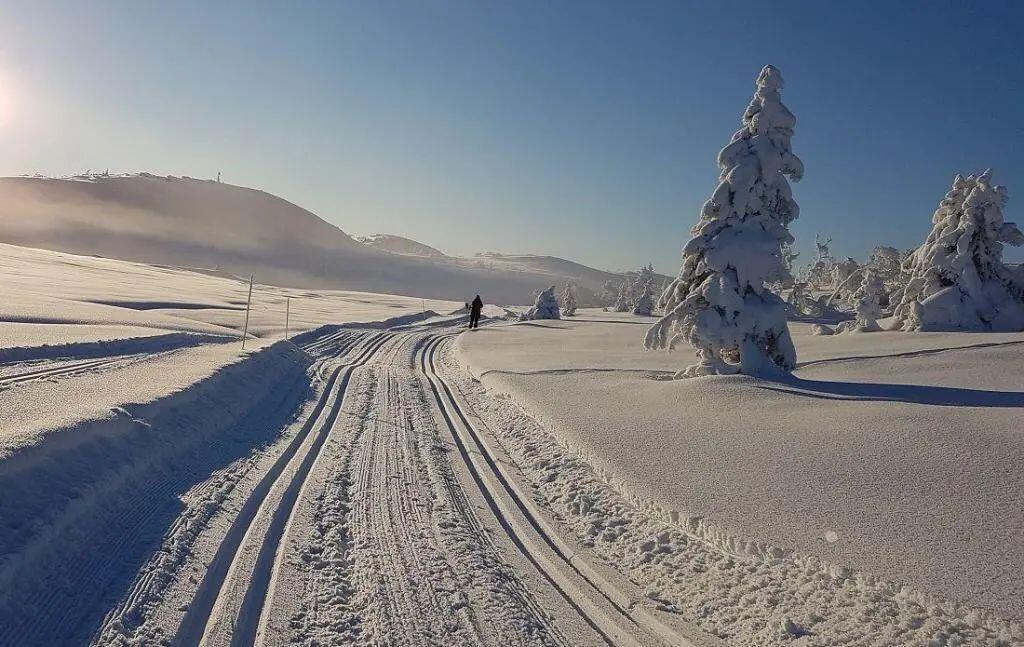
(400, 245)
(237, 230)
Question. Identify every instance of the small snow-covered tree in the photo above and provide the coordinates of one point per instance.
(644, 305)
(624, 300)
(569, 299)
(788, 256)
(642, 301)
(545, 307)
(868, 304)
(819, 273)
(957, 277)
(847, 276)
(719, 303)
(609, 293)
(886, 262)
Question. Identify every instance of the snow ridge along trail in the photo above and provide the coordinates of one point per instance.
(619, 618)
(229, 602)
(71, 368)
(84, 509)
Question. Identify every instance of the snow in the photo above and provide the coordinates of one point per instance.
(868, 299)
(643, 303)
(156, 480)
(808, 464)
(57, 298)
(545, 307)
(569, 303)
(719, 303)
(957, 278)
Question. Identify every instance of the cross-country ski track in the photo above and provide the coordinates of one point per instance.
(355, 498)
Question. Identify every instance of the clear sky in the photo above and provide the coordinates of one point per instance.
(587, 130)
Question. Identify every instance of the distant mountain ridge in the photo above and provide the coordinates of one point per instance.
(208, 224)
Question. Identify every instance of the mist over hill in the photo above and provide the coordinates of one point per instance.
(211, 225)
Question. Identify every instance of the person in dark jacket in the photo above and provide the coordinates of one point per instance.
(474, 312)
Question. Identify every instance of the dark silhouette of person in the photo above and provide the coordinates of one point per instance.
(474, 312)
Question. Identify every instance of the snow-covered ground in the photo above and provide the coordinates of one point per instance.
(357, 485)
(889, 455)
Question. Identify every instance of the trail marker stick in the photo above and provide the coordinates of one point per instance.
(287, 314)
(248, 303)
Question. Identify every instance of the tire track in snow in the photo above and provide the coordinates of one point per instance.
(216, 616)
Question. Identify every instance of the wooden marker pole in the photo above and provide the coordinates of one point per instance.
(287, 315)
(248, 304)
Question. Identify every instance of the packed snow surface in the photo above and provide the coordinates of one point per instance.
(895, 454)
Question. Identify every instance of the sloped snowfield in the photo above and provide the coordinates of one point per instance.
(873, 499)
(358, 485)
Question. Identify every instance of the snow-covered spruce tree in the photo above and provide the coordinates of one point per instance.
(545, 307)
(957, 277)
(719, 303)
(644, 305)
(846, 279)
(642, 301)
(624, 301)
(569, 299)
(868, 301)
(886, 262)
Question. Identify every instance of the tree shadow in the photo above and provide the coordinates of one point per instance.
(537, 325)
(648, 322)
(942, 396)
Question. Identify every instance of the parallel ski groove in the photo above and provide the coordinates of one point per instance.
(196, 624)
(62, 371)
(495, 479)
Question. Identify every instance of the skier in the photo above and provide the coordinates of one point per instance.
(474, 313)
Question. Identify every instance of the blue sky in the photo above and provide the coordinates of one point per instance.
(581, 129)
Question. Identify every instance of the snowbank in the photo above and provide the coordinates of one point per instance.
(875, 456)
(99, 477)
